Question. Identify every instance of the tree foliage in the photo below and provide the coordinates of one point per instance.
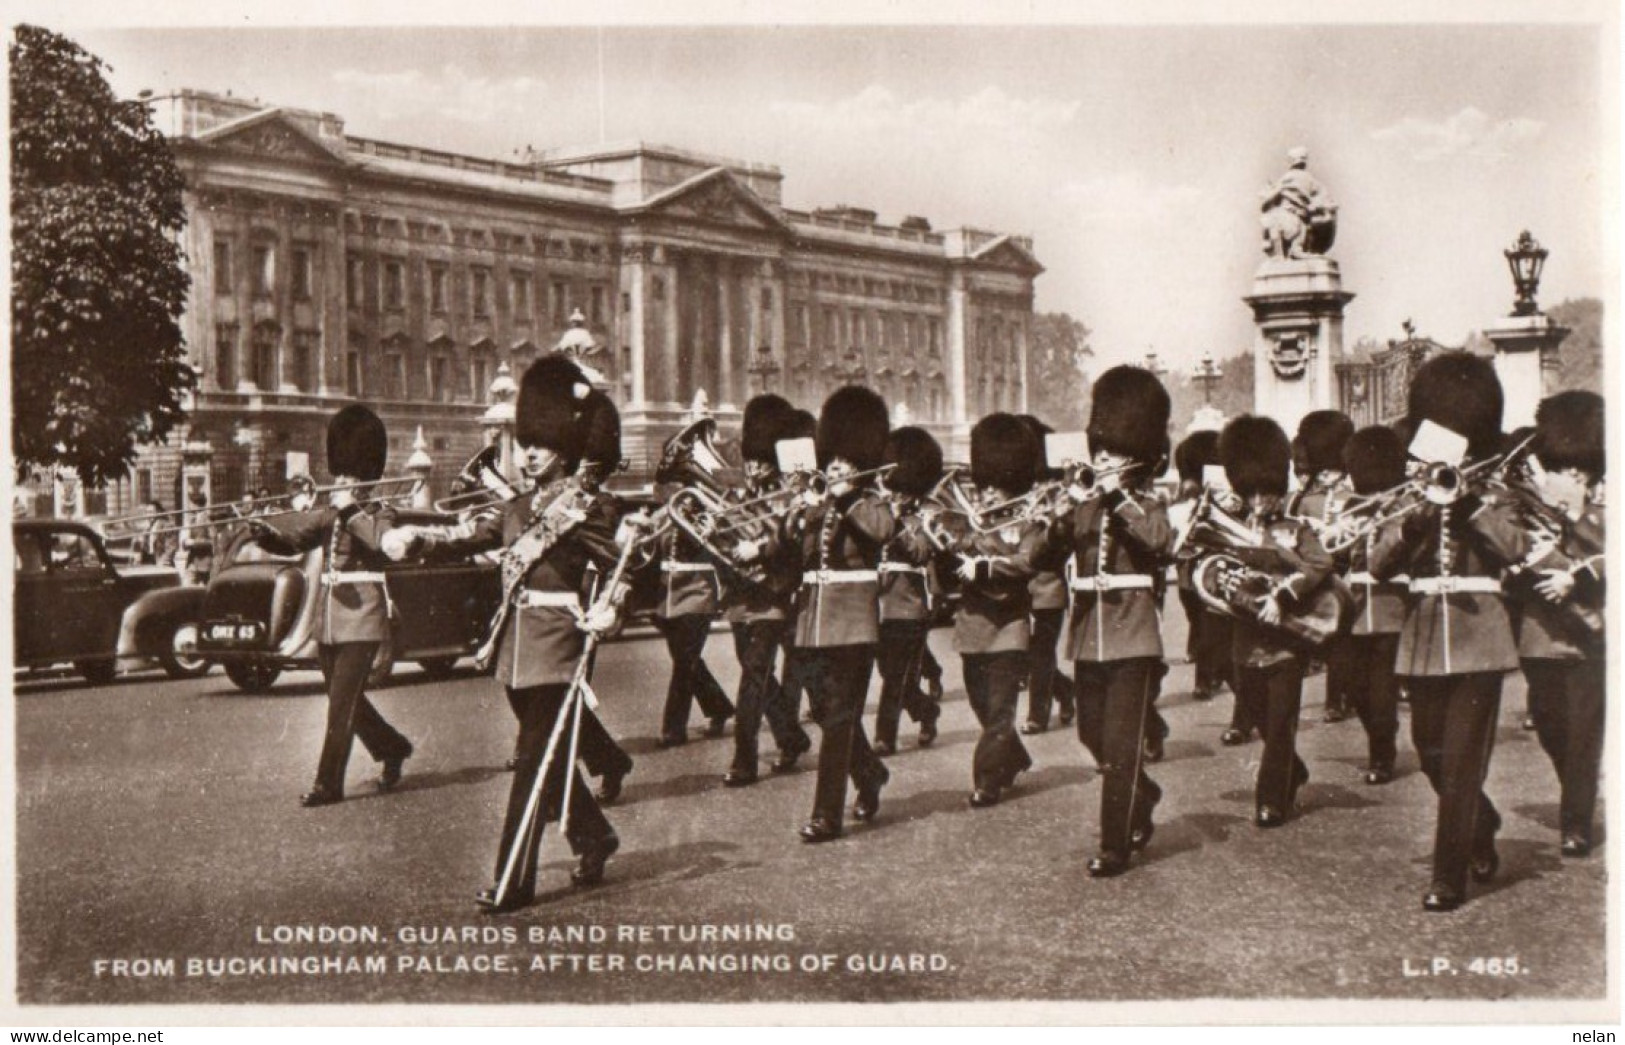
(98, 274)
(1580, 354)
(1057, 391)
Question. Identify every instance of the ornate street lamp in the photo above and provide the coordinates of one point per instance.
(1526, 258)
(1207, 374)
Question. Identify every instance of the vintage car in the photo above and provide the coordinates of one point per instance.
(72, 605)
(258, 614)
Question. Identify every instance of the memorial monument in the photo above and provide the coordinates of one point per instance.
(1297, 298)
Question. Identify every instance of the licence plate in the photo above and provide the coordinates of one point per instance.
(234, 633)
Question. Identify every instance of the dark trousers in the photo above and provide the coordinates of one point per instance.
(1115, 712)
(1567, 699)
(837, 680)
(538, 709)
(900, 657)
(1340, 670)
(1366, 665)
(929, 666)
(596, 749)
(756, 643)
(794, 681)
(1207, 644)
(993, 685)
(1453, 728)
(350, 714)
(1273, 696)
(1045, 683)
(691, 680)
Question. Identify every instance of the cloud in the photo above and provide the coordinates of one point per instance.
(1128, 201)
(1469, 133)
(877, 108)
(449, 93)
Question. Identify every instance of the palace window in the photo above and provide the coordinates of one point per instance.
(354, 281)
(479, 374)
(482, 292)
(767, 299)
(302, 274)
(596, 310)
(264, 270)
(439, 368)
(352, 374)
(265, 358)
(394, 375)
(222, 268)
(394, 285)
(437, 289)
(304, 360)
(519, 292)
(558, 309)
(225, 357)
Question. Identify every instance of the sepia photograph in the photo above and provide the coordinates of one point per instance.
(754, 514)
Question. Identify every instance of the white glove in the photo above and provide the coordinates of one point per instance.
(747, 551)
(399, 542)
(599, 621)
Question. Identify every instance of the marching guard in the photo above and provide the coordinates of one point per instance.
(1270, 664)
(1207, 638)
(1456, 642)
(1047, 686)
(549, 540)
(837, 627)
(353, 610)
(757, 604)
(906, 590)
(1117, 539)
(1562, 640)
(1317, 459)
(1374, 458)
(991, 628)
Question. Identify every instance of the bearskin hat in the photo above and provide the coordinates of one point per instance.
(853, 426)
(766, 416)
(548, 413)
(918, 457)
(1572, 432)
(800, 424)
(1195, 453)
(1320, 440)
(1129, 414)
(1003, 453)
(357, 445)
(1040, 430)
(1256, 455)
(1374, 458)
(1461, 392)
(600, 425)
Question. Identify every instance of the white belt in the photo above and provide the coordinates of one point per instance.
(1112, 582)
(901, 567)
(666, 566)
(839, 576)
(1369, 581)
(1452, 585)
(530, 599)
(353, 577)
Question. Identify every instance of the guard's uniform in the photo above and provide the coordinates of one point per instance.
(1118, 545)
(352, 620)
(1046, 685)
(1317, 505)
(837, 627)
(688, 601)
(906, 605)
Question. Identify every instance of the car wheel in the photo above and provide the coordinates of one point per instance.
(181, 660)
(438, 667)
(383, 665)
(255, 675)
(98, 672)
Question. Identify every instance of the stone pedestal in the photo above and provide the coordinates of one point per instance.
(1526, 362)
(1298, 306)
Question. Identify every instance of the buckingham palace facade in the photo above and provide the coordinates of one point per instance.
(328, 268)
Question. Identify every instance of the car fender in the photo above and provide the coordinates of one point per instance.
(147, 623)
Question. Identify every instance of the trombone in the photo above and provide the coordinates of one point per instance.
(796, 484)
(237, 520)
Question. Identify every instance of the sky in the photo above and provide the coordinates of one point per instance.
(1133, 155)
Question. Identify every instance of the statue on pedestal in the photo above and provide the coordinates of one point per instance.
(1299, 217)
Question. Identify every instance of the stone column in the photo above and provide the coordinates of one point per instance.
(725, 323)
(668, 389)
(1298, 307)
(635, 281)
(958, 331)
(1526, 361)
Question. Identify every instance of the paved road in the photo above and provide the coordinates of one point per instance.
(158, 821)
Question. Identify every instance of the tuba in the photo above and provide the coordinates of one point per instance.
(691, 460)
(1217, 542)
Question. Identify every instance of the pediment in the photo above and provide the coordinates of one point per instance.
(1005, 253)
(273, 134)
(716, 198)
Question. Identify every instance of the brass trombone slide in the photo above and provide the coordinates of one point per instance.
(235, 520)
